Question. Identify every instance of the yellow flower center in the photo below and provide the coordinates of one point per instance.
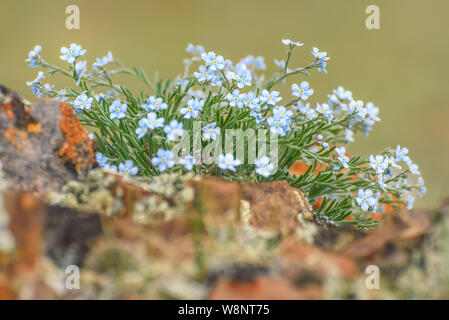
(117, 110)
(163, 159)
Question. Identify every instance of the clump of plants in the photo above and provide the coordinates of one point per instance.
(223, 118)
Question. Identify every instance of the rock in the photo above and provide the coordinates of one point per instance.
(43, 145)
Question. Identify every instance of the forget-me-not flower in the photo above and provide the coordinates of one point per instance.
(378, 163)
(154, 122)
(342, 157)
(173, 130)
(33, 55)
(289, 42)
(118, 110)
(271, 98)
(188, 162)
(211, 131)
(70, 54)
(154, 104)
(204, 74)
(214, 62)
(101, 62)
(366, 199)
(235, 98)
(263, 166)
(163, 160)
(302, 91)
(101, 159)
(227, 162)
(143, 127)
(83, 102)
(194, 106)
(128, 167)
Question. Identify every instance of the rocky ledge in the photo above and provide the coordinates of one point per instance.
(185, 236)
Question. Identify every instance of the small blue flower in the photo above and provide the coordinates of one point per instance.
(70, 54)
(154, 122)
(365, 199)
(343, 94)
(244, 79)
(128, 167)
(413, 167)
(101, 159)
(302, 91)
(401, 154)
(35, 84)
(305, 109)
(154, 104)
(251, 101)
(194, 106)
(205, 74)
(257, 115)
(211, 131)
(33, 55)
(83, 102)
(324, 110)
(263, 166)
(372, 111)
(142, 129)
(319, 55)
(188, 162)
(227, 162)
(271, 98)
(282, 113)
(117, 110)
(278, 125)
(173, 130)
(236, 99)
(378, 163)
(215, 63)
(326, 145)
(291, 43)
(101, 62)
(342, 157)
(216, 80)
(196, 50)
(358, 108)
(164, 160)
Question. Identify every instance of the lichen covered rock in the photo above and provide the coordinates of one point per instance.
(42, 145)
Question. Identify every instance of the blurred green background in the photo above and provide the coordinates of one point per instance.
(402, 68)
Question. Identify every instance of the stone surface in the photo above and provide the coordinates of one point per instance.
(42, 145)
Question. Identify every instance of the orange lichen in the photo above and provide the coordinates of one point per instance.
(299, 168)
(34, 128)
(16, 137)
(7, 108)
(77, 149)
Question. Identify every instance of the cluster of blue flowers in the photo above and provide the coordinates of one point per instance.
(223, 95)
